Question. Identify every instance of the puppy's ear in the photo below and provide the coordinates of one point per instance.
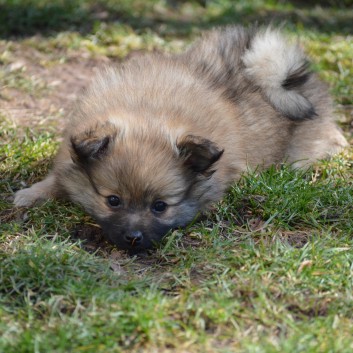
(92, 144)
(199, 154)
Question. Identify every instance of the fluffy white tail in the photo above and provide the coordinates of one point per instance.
(279, 69)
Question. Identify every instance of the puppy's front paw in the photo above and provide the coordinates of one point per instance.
(37, 193)
(26, 197)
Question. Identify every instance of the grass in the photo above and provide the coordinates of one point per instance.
(270, 269)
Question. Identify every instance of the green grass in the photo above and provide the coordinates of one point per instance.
(270, 269)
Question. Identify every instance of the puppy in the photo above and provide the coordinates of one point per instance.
(158, 139)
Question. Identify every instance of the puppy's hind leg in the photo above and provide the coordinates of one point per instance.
(314, 140)
(37, 193)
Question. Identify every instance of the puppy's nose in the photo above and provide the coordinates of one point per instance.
(134, 237)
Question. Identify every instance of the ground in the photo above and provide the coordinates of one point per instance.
(269, 269)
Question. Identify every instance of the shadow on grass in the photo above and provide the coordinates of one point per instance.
(24, 18)
(316, 18)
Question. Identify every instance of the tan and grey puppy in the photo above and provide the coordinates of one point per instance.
(160, 138)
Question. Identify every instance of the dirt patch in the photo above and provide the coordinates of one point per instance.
(297, 239)
(39, 88)
(12, 215)
(91, 236)
(318, 308)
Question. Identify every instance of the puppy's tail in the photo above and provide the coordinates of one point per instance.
(280, 70)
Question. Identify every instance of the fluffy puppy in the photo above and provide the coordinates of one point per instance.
(158, 139)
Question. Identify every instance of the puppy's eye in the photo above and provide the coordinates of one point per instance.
(113, 201)
(159, 206)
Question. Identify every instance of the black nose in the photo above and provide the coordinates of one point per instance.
(134, 238)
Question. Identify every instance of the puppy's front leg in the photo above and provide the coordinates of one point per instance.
(38, 192)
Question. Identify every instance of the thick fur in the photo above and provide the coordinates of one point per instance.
(180, 129)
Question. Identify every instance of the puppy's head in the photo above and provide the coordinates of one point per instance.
(138, 184)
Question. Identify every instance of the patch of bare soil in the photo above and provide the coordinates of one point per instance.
(91, 236)
(317, 309)
(12, 214)
(297, 239)
(43, 86)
